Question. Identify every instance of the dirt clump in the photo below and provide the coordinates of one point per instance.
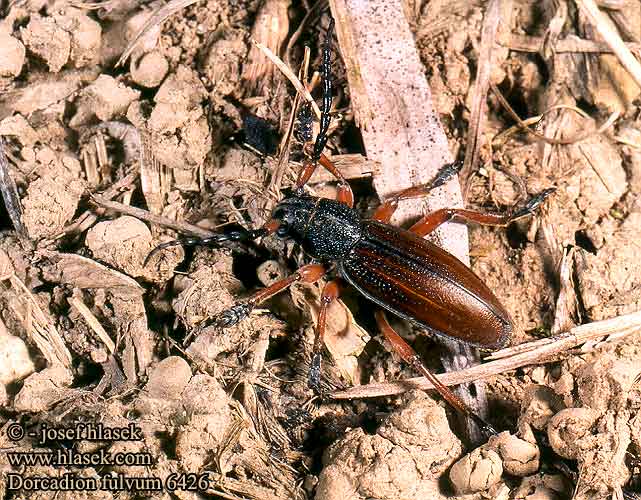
(404, 459)
(150, 70)
(49, 41)
(12, 55)
(53, 198)
(105, 99)
(123, 243)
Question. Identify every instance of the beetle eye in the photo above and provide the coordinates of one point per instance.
(282, 230)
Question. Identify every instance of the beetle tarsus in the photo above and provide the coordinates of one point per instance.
(487, 429)
(233, 315)
(445, 173)
(314, 375)
(533, 203)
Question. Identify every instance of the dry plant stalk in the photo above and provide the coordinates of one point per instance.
(142, 214)
(524, 43)
(289, 74)
(37, 323)
(93, 323)
(270, 29)
(161, 15)
(611, 38)
(392, 102)
(565, 311)
(524, 124)
(511, 358)
(87, 218)
(353, 166)
(481, 87)
(153, 178)
(285, 142)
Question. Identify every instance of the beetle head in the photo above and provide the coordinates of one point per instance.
(326, 229)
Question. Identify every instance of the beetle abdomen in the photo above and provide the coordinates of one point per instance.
(423, 283)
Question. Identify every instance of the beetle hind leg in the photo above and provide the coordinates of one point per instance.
(410, 356)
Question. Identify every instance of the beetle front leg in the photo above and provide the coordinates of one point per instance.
(344, 195)
(410, 356)
(310, 273)
(331, 291)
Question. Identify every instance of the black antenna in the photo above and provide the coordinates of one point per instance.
(326, 78)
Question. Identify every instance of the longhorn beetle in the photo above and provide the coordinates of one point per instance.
(397, 269)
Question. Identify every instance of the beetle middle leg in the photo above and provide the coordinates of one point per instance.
(331, 292)
(310, 273)
(431, 221)
(386, 210)
(411, 357)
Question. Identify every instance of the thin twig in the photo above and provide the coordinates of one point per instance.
(139, 213)
(551, 140)
(283, 159)
(296, 35)
(93, 323)
(481, 87)
(530, 353)
(524, 43)
(158, 17)
(87, 218)
(612, 38)
(289, 74)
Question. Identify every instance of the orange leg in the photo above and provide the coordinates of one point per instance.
(431, 221)
(434, 219)
(345, 194)
(386, 210)
(310, 273)
(331, 291)
(410, 356)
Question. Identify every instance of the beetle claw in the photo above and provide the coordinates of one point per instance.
(485, 427)
(446, 173)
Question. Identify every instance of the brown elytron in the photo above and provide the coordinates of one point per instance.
(422, 283)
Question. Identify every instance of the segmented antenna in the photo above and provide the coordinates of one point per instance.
(326, 78)
(216, 241)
